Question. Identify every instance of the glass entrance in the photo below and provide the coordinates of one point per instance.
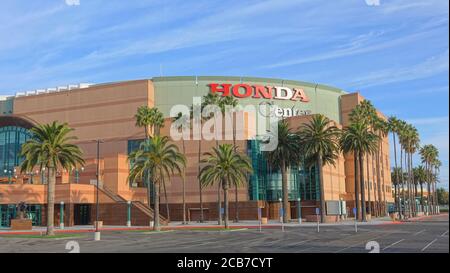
(7, 212)
(82, 214)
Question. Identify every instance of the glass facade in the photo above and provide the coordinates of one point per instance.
(265, 184)
(8, 212)
(11, 140)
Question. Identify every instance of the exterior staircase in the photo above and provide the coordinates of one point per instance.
(137, 204)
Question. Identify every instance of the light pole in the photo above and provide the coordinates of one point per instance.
(8, 172)
(299, 210)
(61, 215)
(129, 213)
(77, 174)
(97, 231)
(281, 210)
(43, 176)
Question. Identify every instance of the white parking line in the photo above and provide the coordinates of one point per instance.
(417, 233)
(443, 234)
(423, 249)
(393, 244)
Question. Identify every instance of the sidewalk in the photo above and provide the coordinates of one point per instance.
(195, 225)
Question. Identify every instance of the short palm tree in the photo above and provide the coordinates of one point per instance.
(224, 166)
(161, 159)
(357, 138)
(285, 155)
(50, 147)
(320, 140)
(419, 179)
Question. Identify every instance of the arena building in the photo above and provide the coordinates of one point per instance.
(107, 111)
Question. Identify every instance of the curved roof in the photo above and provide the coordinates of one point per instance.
(250, 79)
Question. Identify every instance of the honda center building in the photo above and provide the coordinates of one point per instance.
(107, 111)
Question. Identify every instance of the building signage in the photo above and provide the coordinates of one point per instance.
(259, 92)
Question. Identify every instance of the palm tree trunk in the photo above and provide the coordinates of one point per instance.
(409, 184)
(403, 184)
(51, 201)
(322, 189)
(219, 205)
(363, 197)
(384, 185)
(375, 190)
(167, 201)
(397, 197)
(236, 205)
(377, 162)
(156, 225)
(357, 185)
(421, 195)
(284, 186)
(149, 190)
(184, 187)
(368, 185)
(202, 219)
(225, 198)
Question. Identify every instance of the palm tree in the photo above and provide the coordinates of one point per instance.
(285, 155)
(231, 102)
(419, 179)
(152, 120)
(50, 148)
(437, 165)
(401, 127)
(410, 140)
(393, 126)
(183, 121)
(224, 166)
(161, 159)
(395, 178)
(357, 138)
(320, 140)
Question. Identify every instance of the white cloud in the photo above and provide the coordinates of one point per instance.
(429, 121)
(430, 67)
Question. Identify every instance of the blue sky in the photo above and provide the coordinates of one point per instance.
(395, 52)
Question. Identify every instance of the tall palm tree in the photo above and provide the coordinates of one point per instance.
(410, 140)
(231, 102)
(50, 147)
(436, 166)
(212, 100)
(401, 128)
(395, 178)
(357, 138)
(320, 140)
(382, 128)
(393, 125)
(184, 122)
(161, 159)
(224, 166)
(152, 120)
(284, 156)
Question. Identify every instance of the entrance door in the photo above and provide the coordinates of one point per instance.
(82, 214)
(7, 212)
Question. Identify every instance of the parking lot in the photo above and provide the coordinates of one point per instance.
(427, 235)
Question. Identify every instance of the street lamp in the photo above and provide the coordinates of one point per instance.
(97, 231)
(299, 210)
(9, 173)
(43, 176)
(281, 210)
(77, 174)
